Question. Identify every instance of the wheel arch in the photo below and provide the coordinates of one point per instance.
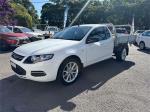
(73, 57)
(141, 42)
(120, 47)
(69, 57)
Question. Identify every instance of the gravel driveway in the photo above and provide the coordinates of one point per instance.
(108, 86)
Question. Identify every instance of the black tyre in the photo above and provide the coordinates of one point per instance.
(121, 55)
(3, 46)
(142, 45)
(69, 71)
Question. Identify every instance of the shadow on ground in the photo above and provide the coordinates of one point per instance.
(147, 51)
(18, 95)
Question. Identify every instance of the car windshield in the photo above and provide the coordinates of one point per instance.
(4, 30)
(25, 30)
(10, 28)
(126, 29)
(73, 33)
(121, 31)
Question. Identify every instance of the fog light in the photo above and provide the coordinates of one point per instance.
(38, 73)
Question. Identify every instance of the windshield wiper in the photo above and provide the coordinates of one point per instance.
(66, 38)
(58, 38)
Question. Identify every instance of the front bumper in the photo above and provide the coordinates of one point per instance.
(42, 72)
(36, 38)
(20, 42)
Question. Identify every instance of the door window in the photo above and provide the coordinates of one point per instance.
(17, 30)
(146, 34)
(101, 33)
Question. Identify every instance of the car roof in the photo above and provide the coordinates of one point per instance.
(120, 29)
(140, 30)
(17, 26)
(93, 25)
(123, 25)
(1, 26)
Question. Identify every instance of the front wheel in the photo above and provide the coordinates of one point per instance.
(121, 55)
(142, 45)
(69, 71)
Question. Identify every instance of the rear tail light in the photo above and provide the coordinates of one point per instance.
(9, 41)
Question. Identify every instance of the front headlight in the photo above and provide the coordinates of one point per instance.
(38, 58)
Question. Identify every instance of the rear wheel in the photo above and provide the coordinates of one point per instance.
(121, 55)
(142, 45)
(69, 71)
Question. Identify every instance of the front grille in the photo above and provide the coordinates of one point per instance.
(17, 56)
(23, 41)
(40, 36)
(32, 39)
(19, 70)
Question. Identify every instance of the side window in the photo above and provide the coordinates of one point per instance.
(10, 28)
(101, 33)
(148, 34)
(107, 33)
(17, 30)
(144, 34)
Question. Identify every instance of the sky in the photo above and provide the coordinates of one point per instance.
(38, 5)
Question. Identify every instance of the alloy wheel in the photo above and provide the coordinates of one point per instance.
(124, 54)
(70, 72)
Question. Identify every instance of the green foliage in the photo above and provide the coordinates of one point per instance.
(30, 9)
(6, 13)
(22, 16)
(112, 11)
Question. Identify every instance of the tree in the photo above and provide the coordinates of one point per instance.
(54, 13)
(6, 13)
(106, 11)
(142, 15)
(22, 16)
(30, 9)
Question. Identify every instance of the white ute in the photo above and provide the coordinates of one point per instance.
(64, 56)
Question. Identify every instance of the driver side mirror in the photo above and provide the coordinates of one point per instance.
(91, 40)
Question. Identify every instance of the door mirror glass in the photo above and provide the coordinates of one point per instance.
(92, 40)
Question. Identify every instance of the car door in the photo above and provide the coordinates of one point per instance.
(99, 45)
(147, 39)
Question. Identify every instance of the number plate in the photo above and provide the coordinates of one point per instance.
(13, 64)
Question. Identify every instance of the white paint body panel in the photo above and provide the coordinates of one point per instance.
(145, 39)
(88, 54)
